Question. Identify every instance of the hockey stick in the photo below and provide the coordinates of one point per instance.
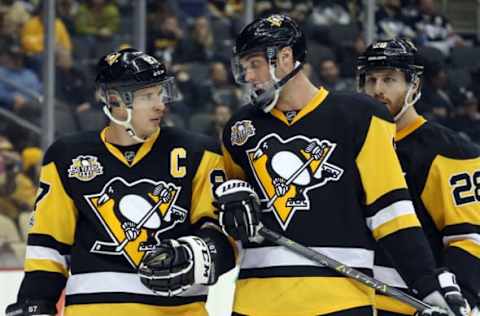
(291, 179)
(300, 170)
(342, 269)
(112, 248)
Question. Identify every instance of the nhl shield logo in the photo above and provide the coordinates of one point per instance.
(241, 132)
(134, 215)
(85, 168)
(286, 170)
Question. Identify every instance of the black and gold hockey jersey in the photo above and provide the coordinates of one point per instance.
(338, 201)
(443, 175)
(91, 196)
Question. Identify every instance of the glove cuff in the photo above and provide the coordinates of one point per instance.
(201, 252)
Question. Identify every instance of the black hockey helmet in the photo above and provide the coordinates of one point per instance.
(273, 31)
(128, 70)
(268, 36)
(396, 53)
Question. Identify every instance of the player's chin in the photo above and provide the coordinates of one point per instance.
(155, 123)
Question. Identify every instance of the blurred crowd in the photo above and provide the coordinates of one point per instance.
(195, 38)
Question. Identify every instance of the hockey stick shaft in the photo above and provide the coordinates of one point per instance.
(291, 179)
(140, 224)
(342, 269)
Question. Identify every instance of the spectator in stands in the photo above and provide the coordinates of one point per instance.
(434, 29)
(347, 56)
(66, 11)
(190, 10)
(436, 100)
(12, 97)
(164, 39)
(32, 162)
(15, 14)
(331, 12)
(220, 115)
(330, 77)
(200, 46)
(32, 38)
(390, 21)
(467, 120)
(17, 192)
(218, 89)
(97, 23)
(97, 18)
(224, 9)
(72, 88)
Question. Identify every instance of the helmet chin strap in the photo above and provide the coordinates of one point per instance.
(127, 123)
(279, 83)
(407, 104)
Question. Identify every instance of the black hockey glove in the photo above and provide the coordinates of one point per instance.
(239, 208)
(176, 265)
(31, 307)
(443, 293)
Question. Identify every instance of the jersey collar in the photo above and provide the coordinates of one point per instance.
(407, 130)
(142, 151)
(311, 105)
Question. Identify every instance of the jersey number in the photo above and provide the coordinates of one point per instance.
(466, 188)
(217, 177)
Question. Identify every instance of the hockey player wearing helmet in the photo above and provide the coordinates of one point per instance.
(124, 218)
(133, 88)
(440, 168)
(304, 161)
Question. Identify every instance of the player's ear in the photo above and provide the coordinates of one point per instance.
(114, 99)
(285, 57)
(417, 85)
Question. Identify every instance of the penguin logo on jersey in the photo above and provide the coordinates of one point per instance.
(286, 170)
(85, 168)
(134, 215)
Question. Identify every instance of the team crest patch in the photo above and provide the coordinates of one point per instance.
(85, 168)
(134, 215)
(287, 170)
(241, 132)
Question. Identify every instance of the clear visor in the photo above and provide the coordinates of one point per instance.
(251, 67)
(165, 91)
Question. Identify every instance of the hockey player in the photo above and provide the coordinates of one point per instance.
(325, 170)
(131, 197)
(442, 171)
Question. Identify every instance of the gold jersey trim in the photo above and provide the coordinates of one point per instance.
(142, 152)
(315, 102)
(407, 130)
